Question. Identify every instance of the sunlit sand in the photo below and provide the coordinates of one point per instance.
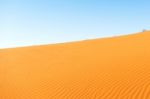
(108, 68)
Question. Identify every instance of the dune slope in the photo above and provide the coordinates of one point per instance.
(109, 68)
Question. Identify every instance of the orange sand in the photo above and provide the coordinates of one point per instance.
(109, 68)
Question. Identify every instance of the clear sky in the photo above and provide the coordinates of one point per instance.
(36, 22)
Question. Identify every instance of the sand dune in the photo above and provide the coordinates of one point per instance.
(109, 68)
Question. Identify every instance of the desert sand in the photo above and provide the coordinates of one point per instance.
(107, 68)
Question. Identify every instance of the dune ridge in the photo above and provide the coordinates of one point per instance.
(109, 68)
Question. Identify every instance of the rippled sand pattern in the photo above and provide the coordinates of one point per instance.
(109, 68)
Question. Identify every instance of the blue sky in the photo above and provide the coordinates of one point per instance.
(36, 22)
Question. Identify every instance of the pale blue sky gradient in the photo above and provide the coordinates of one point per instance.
(36, 22)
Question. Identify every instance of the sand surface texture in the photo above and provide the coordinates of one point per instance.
(107, 68)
